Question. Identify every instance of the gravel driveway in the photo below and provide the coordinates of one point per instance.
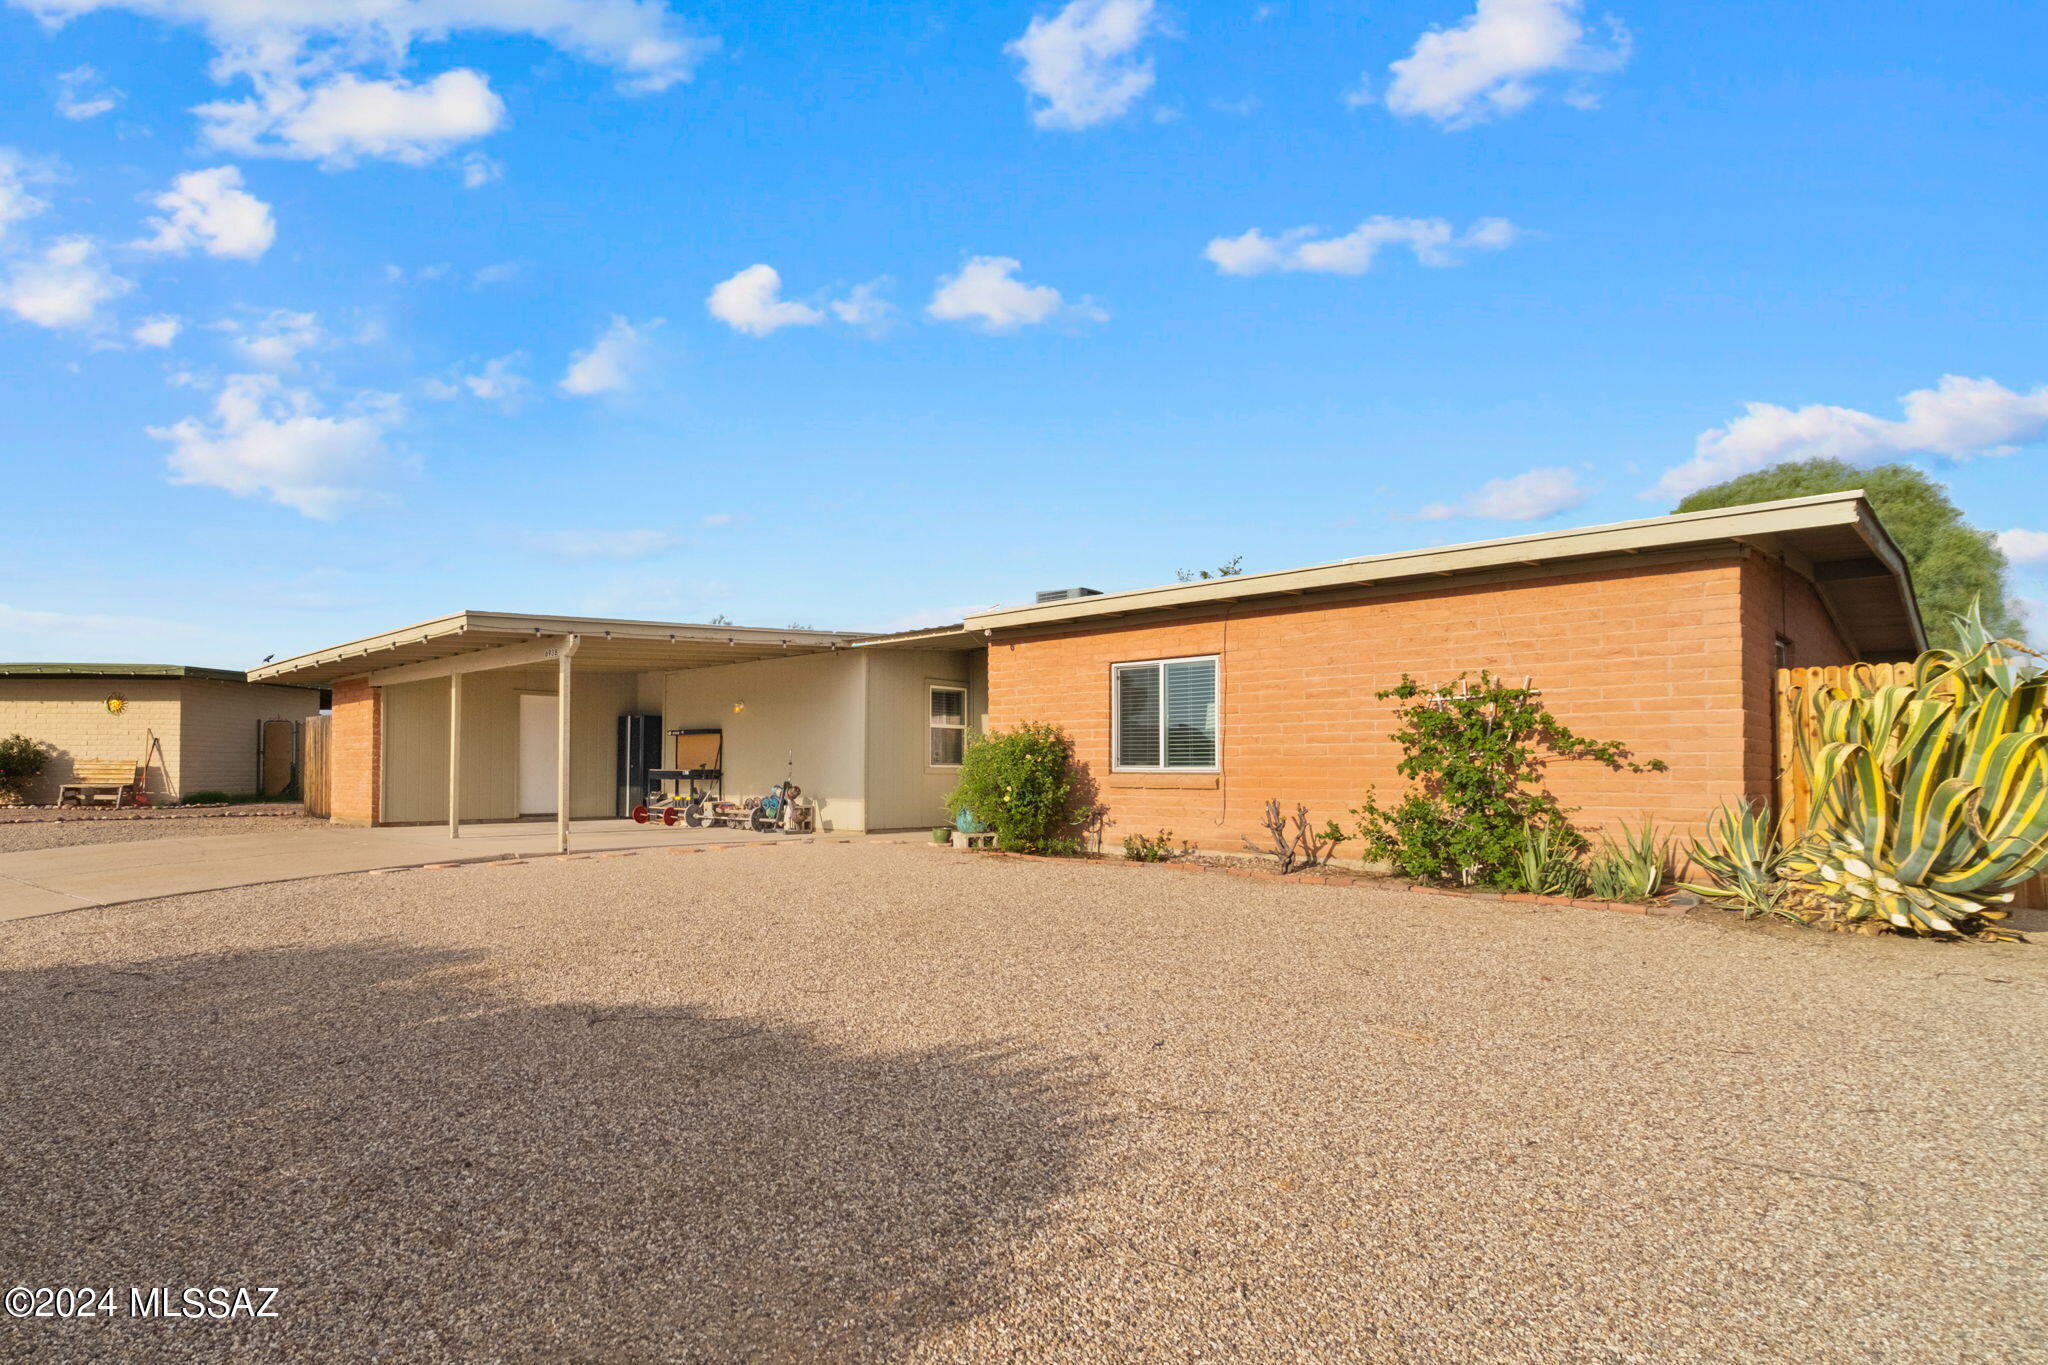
(19, 836)
(884, 1102)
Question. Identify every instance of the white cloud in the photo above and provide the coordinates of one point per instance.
(751, 302)
(497, 381)
(2024, 547)
(641, 40)
(275, 340)
(479, 170)
(80, 95)
(158, 331)
(1533, 496)
(987, 292)
(638, 544)
(1081, 66)
(348, 118)
(209, 210)
(609, 366)
(267, 440)
(63, 287)
(1432, 240)
(1493, 64)
(1958, 418)
(717, 519)
(864, 306)
(498, 272)
(16, 203)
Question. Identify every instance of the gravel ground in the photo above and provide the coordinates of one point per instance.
(18, 836)
(884, 1102)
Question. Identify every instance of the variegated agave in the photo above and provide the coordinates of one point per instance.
(1741, 857)
(1930, 798)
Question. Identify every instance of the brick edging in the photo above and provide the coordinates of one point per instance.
(1327, 879)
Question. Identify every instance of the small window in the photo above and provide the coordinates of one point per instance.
(948, 726)
(1165, 715)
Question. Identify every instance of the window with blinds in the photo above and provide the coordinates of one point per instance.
(1164, 715)
(947, 732)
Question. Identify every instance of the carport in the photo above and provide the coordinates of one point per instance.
(468, 698)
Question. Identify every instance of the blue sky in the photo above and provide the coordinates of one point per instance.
(322, 316)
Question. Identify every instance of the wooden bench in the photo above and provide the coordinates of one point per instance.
(93, 778)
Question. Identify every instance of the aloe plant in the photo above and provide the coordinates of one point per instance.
(1930, 798)
(1631, 867)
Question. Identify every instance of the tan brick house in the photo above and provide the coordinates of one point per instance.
(1195, 703)
(1192, 704)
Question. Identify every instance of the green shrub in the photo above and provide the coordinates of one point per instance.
(1022, 784)
(1475, 749)
(1154, 848)
(22, 761)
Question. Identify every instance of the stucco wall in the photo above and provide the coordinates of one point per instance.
(810, 709)
(904, 790)
(218, 720)
(415, 787)
(71, 714)
(1659, 657)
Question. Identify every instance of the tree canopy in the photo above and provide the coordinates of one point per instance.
(1953, 562)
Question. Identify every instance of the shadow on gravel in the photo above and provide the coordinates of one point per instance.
(430, 1168)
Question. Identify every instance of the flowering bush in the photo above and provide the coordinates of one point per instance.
(1021, 784)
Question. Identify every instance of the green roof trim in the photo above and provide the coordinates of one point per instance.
(121, 671)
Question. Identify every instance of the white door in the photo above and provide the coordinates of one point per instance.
(537, 753)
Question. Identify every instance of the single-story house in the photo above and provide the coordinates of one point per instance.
(1192, 704)
(214, 730)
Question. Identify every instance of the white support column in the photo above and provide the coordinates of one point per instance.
(562, 728)
(455, 755)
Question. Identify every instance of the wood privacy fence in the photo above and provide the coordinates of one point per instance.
(1795, 714)
(1795, 686)
(313, 765)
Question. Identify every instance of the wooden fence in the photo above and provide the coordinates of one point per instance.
(313, 765)
(1794, 714)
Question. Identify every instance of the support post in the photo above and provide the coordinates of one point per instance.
(455, 755)
(562, 712)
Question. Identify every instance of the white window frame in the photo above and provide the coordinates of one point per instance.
(1116, 718)
(931, 723)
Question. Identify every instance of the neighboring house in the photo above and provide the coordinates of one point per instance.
(207, 723)
(1191, 704)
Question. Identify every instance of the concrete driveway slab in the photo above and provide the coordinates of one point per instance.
(52, 880)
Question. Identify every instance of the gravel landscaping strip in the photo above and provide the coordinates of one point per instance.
(23, 835)
(889, 1102)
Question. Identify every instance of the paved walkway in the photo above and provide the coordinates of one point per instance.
(51, 880)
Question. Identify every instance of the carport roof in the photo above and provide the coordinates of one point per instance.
(604, 646)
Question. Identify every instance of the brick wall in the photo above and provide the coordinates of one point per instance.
(355, 751)
(1660, 657)
(1777, 604)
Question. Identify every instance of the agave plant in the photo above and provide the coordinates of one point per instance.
(1741, 855)
(1631, 867)
(1930, 798)
(1546, 863)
